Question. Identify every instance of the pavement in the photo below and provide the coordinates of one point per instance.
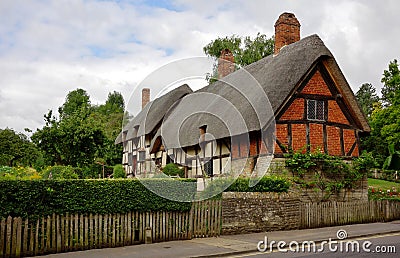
(231, 245)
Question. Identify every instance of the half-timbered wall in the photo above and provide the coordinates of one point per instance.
(325, 124)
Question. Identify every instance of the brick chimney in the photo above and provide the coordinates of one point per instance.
(145, 96)
(287, 31)
(226, 63)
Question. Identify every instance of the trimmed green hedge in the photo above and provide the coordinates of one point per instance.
(36, 198)
(266, 184)
(242, 184)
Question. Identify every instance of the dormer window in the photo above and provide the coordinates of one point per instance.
(315, 110)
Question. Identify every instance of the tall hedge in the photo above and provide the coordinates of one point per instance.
(36, 198)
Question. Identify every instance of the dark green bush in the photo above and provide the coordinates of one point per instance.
(36, 198)
(242, 184)
(61, 172)
(172, 169)
(119, 171)
(266, 184)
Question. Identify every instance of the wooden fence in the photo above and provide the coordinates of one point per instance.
(65, 233)
(325, 214)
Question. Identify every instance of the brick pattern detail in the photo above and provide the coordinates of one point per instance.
(335, 114)
(349, 139)
(317, 85)
(226, 63)
(235, 149)
(287, 31)
(281, 133)
(299, 140)
(316, 137)
(145, 96)
(263, 148)
(333, 134)
(295, 110)
(253, 146)
(244, 147)
(355, 152)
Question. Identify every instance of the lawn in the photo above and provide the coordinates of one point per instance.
(383, 185)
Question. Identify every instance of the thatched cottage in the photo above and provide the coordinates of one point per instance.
(296, 99)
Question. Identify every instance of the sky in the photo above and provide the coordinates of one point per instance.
(51, 47)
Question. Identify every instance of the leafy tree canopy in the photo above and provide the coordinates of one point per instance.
(75, 101)
(367, 97)
(385, 118)
(83, 133)
(391, 83)
(245, 50)
(16, 149)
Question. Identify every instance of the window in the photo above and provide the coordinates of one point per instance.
(142, 155)
(208, 168)
(315, 110)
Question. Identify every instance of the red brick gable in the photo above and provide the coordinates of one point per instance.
(317, 85)
(334, 134)
(335, 113)
(295, 110)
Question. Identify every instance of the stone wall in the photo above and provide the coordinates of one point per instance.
(259, 212)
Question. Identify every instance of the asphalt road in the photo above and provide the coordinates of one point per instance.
(381, 246)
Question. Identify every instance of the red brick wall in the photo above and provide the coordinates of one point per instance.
(244, 147)
(263, 148)
(235, 149)
(316, 137)
(299, 140)
(253, 145)
(316, 85)
(349, 139)
(282, 135)
(333, 135)
(335, 114)
(355, 152)
(295, 110)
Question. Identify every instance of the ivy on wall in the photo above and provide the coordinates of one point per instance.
(329, 174)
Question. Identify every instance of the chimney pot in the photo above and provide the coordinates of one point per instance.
(287, 31)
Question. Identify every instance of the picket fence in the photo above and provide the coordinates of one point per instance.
(325, 214)
(72, 232)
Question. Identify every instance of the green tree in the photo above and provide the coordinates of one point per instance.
(366, 97)
(385, 119)
(16, 149)
(245, 50)
(76, 100)
(83, 133)
(114, 104)
(391, 83)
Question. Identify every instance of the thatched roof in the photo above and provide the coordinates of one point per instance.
(247, 99)
(152, 114)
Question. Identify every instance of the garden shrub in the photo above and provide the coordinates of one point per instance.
(328, 173)
(18, 173)
(172, 169)
(60, 172)
(119, 171)
(242, 184)
(37, 198)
